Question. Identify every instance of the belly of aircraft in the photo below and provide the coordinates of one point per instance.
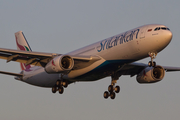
(105, 69)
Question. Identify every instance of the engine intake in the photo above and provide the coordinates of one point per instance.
(151, 75)
(60, 64)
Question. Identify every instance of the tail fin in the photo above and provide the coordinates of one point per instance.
(22, 44)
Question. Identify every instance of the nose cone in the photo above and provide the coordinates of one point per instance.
(168, 36)
(164, 39)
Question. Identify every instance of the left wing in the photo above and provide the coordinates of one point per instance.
(135, 68)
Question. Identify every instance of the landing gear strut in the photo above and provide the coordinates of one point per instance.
(153, 56)
(112, 89)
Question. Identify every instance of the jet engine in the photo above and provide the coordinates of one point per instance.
(151, 75)
(60, 64)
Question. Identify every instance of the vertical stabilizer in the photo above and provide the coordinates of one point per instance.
(22, 44)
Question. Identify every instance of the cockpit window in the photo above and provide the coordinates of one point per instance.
(155, 29)
(161, 28)
(158, 28)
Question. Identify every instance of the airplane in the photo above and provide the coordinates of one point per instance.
(111, 57)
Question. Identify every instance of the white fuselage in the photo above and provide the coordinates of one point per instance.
(114, 52)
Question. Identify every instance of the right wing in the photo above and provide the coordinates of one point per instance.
(135, 68)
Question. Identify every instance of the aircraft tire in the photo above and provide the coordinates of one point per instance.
(113, 95)
(65, 84)
(110, 88)
(54, 89)
(117, 89)
(149, 63)
(154, 64)
(106, 94)
(61, 90)
(58, 82)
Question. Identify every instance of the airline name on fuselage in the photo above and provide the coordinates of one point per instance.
(119, 39)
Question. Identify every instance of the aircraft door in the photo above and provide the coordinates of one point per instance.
(142, 33)
(137, 43)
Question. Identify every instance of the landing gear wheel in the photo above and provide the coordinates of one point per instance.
(58, 83)
(61, 90)
(110, 88)
(65, 84)
(150, 64)
(106, 94)
(112, 95)
(154, 64)
(54, 89)
(117, 89)
(153, 56)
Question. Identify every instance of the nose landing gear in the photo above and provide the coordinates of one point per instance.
(153, 56)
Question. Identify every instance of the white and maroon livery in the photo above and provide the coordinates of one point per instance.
(114, 56)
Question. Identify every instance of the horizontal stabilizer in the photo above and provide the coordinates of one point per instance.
(13, 74)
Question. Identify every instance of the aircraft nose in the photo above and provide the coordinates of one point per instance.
(164, 39)
(168, 35)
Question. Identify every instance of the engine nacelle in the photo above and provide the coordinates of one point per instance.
(151, 75)
(60, 64)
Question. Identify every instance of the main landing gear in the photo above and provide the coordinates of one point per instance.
(60, 85)
(153, 56)
(112, 90)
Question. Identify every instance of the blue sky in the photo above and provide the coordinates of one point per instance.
(60, 26)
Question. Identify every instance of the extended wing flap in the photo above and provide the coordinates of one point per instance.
(85, 58)
(83, 61)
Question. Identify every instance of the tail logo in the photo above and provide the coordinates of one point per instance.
(23, 65)
(21, 47)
